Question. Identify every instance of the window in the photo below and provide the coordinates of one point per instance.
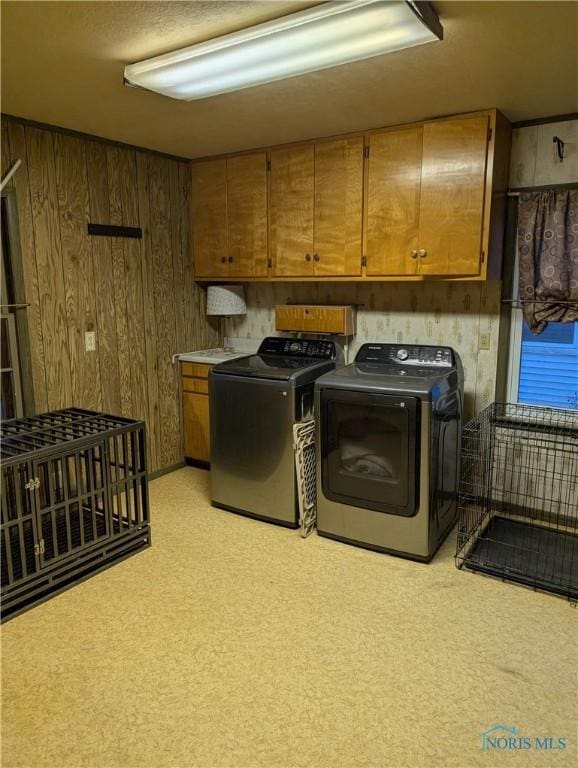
(543, 369)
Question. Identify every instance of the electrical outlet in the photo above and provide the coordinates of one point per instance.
(484, 341)
(90, 341)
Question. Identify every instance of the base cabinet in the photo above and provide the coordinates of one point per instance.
(195, 399)
(196, 427)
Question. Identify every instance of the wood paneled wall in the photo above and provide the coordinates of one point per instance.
(138, 295)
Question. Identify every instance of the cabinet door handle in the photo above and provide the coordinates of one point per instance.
(223, 259)
(230, 259)
(414, 254)
(307, 257)
(422, 253)
(316, 256)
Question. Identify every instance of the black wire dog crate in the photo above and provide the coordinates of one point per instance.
(518, 502)
(74, 501)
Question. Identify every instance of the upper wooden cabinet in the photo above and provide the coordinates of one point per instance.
(316, 204)
(392, 211)
(230, 216)
(247, 214)
(405, 203)
(209, 198)
(291, 211)
(451, 204)
(337, 207)
(425, 198)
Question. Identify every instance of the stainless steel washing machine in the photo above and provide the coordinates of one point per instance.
(254, 403)
(388, 448)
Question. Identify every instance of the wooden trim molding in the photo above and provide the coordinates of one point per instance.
(88, 136)
(546, 120)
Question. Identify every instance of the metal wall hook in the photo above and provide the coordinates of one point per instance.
(559, 147)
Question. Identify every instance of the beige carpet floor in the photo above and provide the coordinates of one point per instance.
(236, 643)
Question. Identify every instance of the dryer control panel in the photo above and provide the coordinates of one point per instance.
(406, 354)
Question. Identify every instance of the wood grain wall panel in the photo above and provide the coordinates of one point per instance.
(125, 288)
(190, 288)
(119, 276)
(180, 269)
(134, 285)
(101, 247)
(153, 422)
(177, 256)
(6, 157)
(160, 211)
(73, 206)
(52, 299)
(17, 148)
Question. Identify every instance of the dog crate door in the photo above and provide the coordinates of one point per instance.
(71, 502)
(19, 538)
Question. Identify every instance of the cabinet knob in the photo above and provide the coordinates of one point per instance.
(307, 257)
(414, 254)
(316, 256)
(422, 253)
(223, 259)
(230, 259)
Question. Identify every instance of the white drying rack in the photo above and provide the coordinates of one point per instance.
(304, 446)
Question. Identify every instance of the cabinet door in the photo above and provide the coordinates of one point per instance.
(338, 206)
(452, 196)
(196, 426)
(209, 197)
(247, 215)
(292, 174)
(393, 184)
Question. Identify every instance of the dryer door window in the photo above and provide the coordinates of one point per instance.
(368, 450)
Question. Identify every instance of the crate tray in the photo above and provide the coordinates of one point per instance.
(528, 554)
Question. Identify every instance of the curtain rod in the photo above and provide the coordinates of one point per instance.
(547, 188)
(540, 301)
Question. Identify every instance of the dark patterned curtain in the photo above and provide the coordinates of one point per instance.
(548, 257)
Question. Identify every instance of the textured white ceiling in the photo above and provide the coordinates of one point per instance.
(62, 63)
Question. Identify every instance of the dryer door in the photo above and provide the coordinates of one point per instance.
(368, 450)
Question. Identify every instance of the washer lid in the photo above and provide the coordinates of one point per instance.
(273, 367)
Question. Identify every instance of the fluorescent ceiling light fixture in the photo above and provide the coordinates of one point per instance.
(325, 36)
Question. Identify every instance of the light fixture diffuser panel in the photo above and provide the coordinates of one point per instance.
(318, 38)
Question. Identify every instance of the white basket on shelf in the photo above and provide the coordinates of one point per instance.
(304, 445)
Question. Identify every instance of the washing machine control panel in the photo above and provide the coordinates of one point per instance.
(423, 355)
(284, 347)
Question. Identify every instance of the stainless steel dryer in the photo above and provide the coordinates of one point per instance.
(254, 403)
(388, 448)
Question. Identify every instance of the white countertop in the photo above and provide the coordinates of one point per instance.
(233, 348)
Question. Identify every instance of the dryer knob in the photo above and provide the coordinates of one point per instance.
(402, 354)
